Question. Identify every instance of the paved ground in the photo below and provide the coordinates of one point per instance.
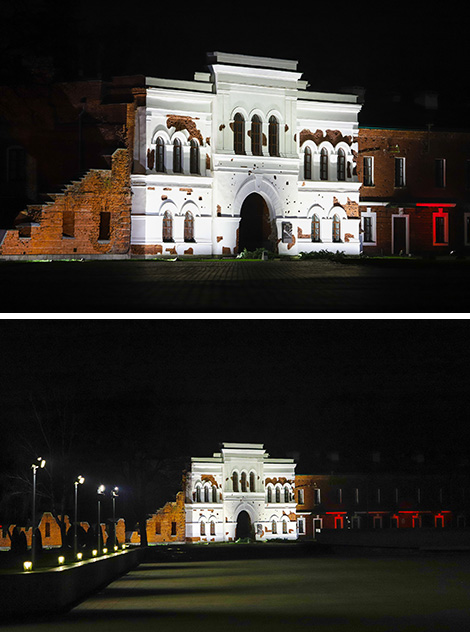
(329, 593)
(231, 287)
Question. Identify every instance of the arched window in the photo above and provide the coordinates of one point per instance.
(239, 134)
(206, 494)
(243, 481)
(273, 527)
(336, 228)
(284, 526)
(315, 228)
(194, 157)
(307, 163)
(286, 494)
(214, 494)
(167, 226)
(273, 136)
(341, 165)
(278, 494)
(198, 493)
(188, 226)
(160, 163)
(252, 482)
(270, 495)
(256, 149)
(235, 481)
(203, 528)
(324, 164)
(177, 162)
(212, 523)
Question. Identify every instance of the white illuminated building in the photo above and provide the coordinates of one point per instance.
(240, 492)
(244, 156)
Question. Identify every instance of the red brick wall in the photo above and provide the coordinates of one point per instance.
(172, 512)
(98, 191)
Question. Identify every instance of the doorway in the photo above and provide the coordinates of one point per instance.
(244, 527)
(400, 234)
(255, 229)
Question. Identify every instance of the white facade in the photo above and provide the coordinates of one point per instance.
(249, 126)
(240, 492)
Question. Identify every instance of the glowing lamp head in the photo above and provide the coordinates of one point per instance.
(79, 556)
(28, 566)
(94, 552)
(116, 547)
(61, 559)
(105, 551)
(115, 491)
(43, 463)
(80, 480)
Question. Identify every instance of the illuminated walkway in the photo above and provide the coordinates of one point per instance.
(324, 593)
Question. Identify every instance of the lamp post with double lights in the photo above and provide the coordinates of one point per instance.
(40, 464)
(80, 480)
(100, 492)
(114, 494)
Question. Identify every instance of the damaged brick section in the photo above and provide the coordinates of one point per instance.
(332, 136)
(91, 216)
(184, 122)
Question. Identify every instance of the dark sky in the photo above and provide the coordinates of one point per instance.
(294, 385)
(337, 45)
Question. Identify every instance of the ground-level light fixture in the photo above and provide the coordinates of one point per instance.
(79, 556)
(94, 552)
(28, 566)
(61, 559)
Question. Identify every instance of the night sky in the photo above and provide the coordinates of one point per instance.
(160, 391)
(378, 46)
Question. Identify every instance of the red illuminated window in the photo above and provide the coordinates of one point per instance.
(339, 522)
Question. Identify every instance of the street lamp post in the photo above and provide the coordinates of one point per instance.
(80, 480)
(100, 492)
(40, 463)
(114, 495)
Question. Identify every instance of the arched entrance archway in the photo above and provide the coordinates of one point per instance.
(255, 224)
(244, 527)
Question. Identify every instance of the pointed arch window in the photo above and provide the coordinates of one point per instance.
(315, 228)
(336, 228)
(212, 527)
(167, 226)
(189, 227)
(214, 494)
(278, 494)
(198, 493)
(273, 136)
(273, 527)
(177, 161)
(207, 494)
(307, 163)
(243, 481)
(203, 528)
(252, 482)
(194, 157)
(286, 494)
(341, 165)
(239, 134)
(324, 164)
(270, 495)
(160, 162)
(256, 149)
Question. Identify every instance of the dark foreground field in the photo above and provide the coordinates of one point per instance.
(234, 287)
(324, 593)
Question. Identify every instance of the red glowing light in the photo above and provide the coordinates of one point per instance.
(436, 204)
